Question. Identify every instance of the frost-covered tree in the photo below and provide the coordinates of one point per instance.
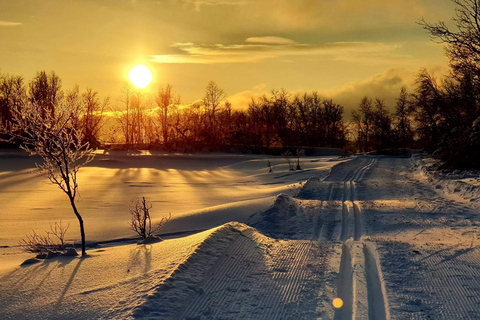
(54, 137)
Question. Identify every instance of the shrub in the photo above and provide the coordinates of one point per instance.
(300, 153)
(270, 166)
(141, 221)
(43, 244)
(288, 157)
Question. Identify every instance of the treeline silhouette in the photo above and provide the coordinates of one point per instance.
(439, 116)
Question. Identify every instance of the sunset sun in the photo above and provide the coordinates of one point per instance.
(140, 76)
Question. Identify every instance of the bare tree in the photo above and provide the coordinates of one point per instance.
(45, 91)
(212, 100)
(402, 115)
(300, 153)
(12, 91)
(288, 157)
(55, 138)
(124, 117)
(166, 100)
(462, 44)
(141, 221)
(270, 166)
(92, 116)
(367, 113)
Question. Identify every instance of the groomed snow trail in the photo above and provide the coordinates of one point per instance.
(359, 278)
(374, 232)
(423, 246)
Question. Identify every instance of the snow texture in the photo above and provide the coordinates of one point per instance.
(390, 237)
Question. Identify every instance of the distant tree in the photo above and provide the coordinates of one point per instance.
(212, 100)
(382, 126)
(365, 108)
(12, 93)
(45, 91)
(333, 119)
(403, 120)
(92, 115)
(357, 121)
(58, 141)
(427, 99)
(124, 117)
(166, 100)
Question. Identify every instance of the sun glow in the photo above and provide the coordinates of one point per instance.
(140, 76)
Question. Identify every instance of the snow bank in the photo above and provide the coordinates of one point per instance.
(462, 186)
(114, 282)
(287, 218)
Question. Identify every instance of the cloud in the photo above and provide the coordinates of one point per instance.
(241, 100)
(198, 4)
(9, 24)
(385, 86)
(270, 40)
(262, 48)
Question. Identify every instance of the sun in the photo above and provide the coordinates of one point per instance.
(140, 76)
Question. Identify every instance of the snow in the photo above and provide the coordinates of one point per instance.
(391, 238)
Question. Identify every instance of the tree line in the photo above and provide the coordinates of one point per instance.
(441, 116)
(438, 116)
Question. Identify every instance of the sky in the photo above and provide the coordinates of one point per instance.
(344, 49)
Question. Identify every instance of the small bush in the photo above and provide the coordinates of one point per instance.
(141, 221)
(44, 244)
(300, 153)
(270, 166)
(288, 157)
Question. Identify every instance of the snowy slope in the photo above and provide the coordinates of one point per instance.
(375, 231)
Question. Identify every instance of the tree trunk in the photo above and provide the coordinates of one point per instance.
(80, 221)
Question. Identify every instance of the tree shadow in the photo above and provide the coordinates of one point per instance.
(70, 280)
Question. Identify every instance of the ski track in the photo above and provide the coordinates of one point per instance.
(377, 276)
(286, 279)
(360, 274)
(373, 232)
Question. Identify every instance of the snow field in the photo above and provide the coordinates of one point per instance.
(368, 229)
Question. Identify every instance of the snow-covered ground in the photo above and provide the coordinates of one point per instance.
(387, 236)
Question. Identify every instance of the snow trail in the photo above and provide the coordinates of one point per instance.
(377, 302)
(374, 232)
(359, 272)
(345, 285)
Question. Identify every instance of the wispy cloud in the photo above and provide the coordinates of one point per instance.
(270, 40)
(198, 4)
(261, 48)
(9, 24)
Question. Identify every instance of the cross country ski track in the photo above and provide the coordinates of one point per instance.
(372, 233)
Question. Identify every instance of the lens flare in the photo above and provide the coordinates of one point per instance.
(337, 303)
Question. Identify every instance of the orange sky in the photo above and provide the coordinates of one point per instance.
(342, 48)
